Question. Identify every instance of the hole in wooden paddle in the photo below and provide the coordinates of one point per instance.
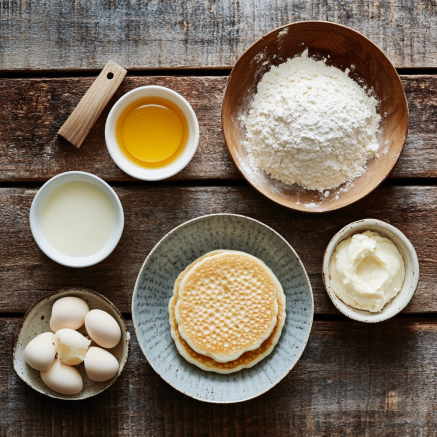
(110, 76)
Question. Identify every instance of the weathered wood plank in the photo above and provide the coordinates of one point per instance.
(150, 212)
(419, 157)
(32, 111)
(166, 34)
(353, 379)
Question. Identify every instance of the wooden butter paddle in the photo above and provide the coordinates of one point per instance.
(86, 113)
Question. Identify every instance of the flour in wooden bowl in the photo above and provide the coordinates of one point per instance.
(310, 124)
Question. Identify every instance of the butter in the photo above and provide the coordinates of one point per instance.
(366, 271)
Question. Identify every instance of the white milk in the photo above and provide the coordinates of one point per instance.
(78, 218)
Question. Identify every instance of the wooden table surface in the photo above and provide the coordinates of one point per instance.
(353, 379)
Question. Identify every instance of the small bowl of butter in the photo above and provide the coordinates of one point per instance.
(370, 270)
(76, 219)
(152, 133)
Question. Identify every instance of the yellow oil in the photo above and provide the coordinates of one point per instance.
(152, 132)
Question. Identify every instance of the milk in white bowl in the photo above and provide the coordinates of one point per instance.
(76, 219)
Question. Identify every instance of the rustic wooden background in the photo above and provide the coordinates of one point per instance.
(353, 379)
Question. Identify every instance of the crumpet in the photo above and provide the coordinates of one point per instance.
(246, 360)
(227, 305)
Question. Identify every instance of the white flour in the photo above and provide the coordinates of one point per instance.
(311, 124)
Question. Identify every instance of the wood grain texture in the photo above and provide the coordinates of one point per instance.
(32, 111)
(165, 34)
(352, 380)
(151, 212)
(85, 114)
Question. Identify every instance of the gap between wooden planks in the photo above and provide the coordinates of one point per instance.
(33, 110)
(353, 378)
(26, 273)
(154, 34)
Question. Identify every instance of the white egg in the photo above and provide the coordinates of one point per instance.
(100, 365)
(102, 328)
(63, 379)
(71, 346)
(68, 312)
(40, 352)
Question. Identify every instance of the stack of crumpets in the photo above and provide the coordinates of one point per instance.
(227, 311)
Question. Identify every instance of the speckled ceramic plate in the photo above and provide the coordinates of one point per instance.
(36, 321)
(154, 288)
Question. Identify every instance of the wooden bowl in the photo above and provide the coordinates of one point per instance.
(346, 49)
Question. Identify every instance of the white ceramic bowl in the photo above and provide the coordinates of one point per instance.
(36, 321)
(399, 302)
(129, 166)
(41, 239)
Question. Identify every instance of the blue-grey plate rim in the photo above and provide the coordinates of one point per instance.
(135, 322)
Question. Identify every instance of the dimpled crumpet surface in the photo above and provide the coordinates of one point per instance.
(155, 286)
(227, 305)
(246, 360)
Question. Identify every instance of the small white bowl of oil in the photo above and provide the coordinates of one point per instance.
(76, 219)
(152, 133)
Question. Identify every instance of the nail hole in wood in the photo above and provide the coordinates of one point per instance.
(110, 76)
